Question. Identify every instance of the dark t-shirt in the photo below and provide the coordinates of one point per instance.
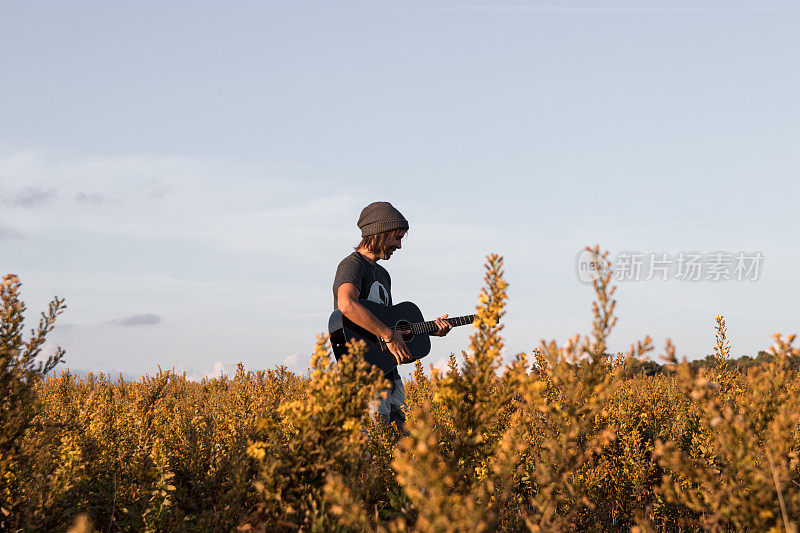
(372, 280)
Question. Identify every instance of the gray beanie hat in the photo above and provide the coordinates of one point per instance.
(378, 217)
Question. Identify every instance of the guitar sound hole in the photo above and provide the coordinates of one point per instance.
(404, 328)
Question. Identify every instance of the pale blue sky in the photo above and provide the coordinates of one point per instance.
(201, 166)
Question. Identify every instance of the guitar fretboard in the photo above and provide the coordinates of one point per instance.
(430, 326)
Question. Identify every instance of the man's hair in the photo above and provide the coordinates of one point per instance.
(377, 243)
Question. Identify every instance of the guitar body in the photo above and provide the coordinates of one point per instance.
(397, 316)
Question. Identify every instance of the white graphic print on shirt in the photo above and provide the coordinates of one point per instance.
(378, 294)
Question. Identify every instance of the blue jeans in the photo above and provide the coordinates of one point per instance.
(391, 407)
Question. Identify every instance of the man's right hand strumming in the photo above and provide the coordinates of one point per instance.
(397, 346)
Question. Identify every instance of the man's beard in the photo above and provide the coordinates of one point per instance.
(386, 253)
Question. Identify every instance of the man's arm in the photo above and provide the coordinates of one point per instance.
(347, 298)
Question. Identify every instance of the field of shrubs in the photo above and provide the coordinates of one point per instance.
(568, 437)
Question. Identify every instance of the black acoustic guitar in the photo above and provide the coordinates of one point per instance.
(405, 318)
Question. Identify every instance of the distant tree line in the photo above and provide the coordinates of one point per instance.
(742, 364)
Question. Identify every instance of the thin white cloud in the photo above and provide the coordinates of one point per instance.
(91, 198)
(296, 363)
(30, 196)
(217, 371)
(159, 192)
(8, 233)
(225, 205)
(599, 9)
(146, 319)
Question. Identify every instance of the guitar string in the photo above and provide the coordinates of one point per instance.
(418, 328)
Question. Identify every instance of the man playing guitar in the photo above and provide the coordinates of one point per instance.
(360, 276)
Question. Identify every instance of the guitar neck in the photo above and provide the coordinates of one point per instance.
(429, 327)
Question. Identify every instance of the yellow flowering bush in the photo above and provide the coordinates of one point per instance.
(567, 437)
